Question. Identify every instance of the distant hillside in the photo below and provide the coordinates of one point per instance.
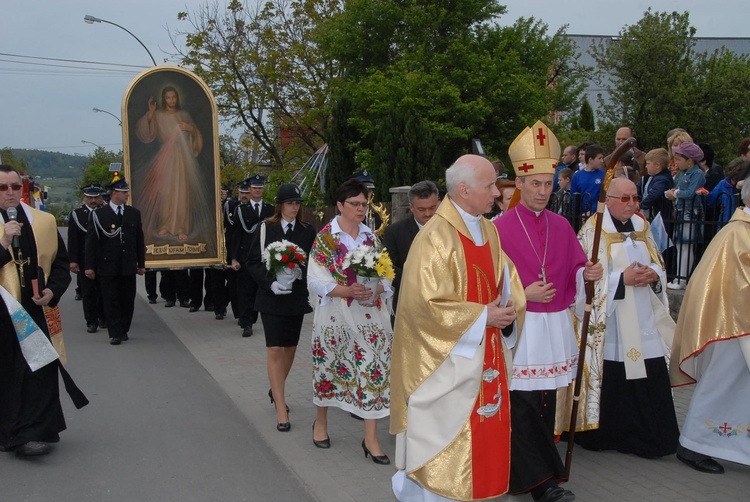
(51, 164)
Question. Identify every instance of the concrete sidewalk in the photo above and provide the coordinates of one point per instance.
(343, 474)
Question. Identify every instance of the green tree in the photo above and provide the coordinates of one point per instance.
(450, 62)
(7, 158)
(404, 153)
(342, 138)
(720, 108)
(97, 172)
(265, 70)
(650, 67)
(586, 121)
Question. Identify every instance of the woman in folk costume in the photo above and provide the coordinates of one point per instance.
(351, 338)
(282, 307)
(626, 402)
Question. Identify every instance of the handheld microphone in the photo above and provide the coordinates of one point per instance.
(13, 216)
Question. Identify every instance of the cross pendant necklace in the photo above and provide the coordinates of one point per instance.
(20, 262)
(542, 263)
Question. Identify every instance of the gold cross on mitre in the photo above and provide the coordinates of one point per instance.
(535, 151)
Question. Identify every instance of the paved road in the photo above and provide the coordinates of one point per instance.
(158, 428)
(180, 412)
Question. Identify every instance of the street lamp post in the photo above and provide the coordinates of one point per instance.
(109, 113)
(91, 143)
(91, 20)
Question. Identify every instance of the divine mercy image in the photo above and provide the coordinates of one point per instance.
(172, 165)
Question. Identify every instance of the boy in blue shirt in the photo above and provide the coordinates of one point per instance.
(588, 181)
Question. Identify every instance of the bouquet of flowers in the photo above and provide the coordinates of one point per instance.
(367, 261)
(285, 259)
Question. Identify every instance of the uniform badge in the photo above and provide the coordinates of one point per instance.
(113, 225)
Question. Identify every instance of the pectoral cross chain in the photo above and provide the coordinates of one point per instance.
(20, 262)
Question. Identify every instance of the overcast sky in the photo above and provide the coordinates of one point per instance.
(50, 107)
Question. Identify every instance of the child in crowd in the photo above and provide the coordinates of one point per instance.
(655, 184)
(588, 181)
(562, 196)
(689, 207)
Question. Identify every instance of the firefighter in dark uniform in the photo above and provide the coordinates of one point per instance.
(115, 252)
(247, 215)
(223, 288)
(93, 310)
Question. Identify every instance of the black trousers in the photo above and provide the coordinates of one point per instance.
(150, 278)
(92, 300)
(118, 292)
(232, 278)
(216, 283)
(533, 454)
(246, 290)
(196, 288)
(174, 285)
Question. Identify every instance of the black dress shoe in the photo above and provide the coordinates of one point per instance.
(208, 308)
(124, 338)
(220, 316)
(152, 301)
(91, 327)
(283, 427)
(184, 304)
(247, 332)
(114, 341)
(325, 443)
(170, 303)
(699, 461)
(78, 297)
(102, 324)
(378, 459)
(194, 309)
(4, 448)
(556, 494)
(32, 449)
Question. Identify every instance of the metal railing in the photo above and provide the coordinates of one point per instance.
(690, 226)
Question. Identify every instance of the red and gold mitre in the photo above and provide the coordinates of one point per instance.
(535, 151)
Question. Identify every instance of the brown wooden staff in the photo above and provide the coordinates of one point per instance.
(619, 151)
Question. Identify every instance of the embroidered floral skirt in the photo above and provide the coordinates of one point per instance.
(351, 355)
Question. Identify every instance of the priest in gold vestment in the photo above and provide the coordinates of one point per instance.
(712, 347)
(460, 310)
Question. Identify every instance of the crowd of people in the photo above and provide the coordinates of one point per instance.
(463, 324)
(694, 195)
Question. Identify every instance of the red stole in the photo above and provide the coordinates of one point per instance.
(490, 430)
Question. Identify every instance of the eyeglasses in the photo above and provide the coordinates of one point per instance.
(354, 203)
(14, 186)
(625, 198)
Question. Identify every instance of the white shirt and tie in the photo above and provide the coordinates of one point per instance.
(117, 209)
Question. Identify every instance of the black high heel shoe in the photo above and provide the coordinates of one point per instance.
(283, 426)
(325, 443)
(378, 459)
(270, 396)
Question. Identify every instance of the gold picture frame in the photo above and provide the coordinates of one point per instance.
(170, 138)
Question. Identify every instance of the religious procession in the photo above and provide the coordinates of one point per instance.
(482, 326)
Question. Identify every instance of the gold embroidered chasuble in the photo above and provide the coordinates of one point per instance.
(44, 228)
(433, 315)
(590, 399)
(716, 300)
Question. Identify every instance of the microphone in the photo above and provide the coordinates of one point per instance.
(13, 216)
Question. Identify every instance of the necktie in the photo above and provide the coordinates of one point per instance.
(119, 210)
(257, 209)
(288, 229)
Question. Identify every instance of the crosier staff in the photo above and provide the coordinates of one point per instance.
(619, 151)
